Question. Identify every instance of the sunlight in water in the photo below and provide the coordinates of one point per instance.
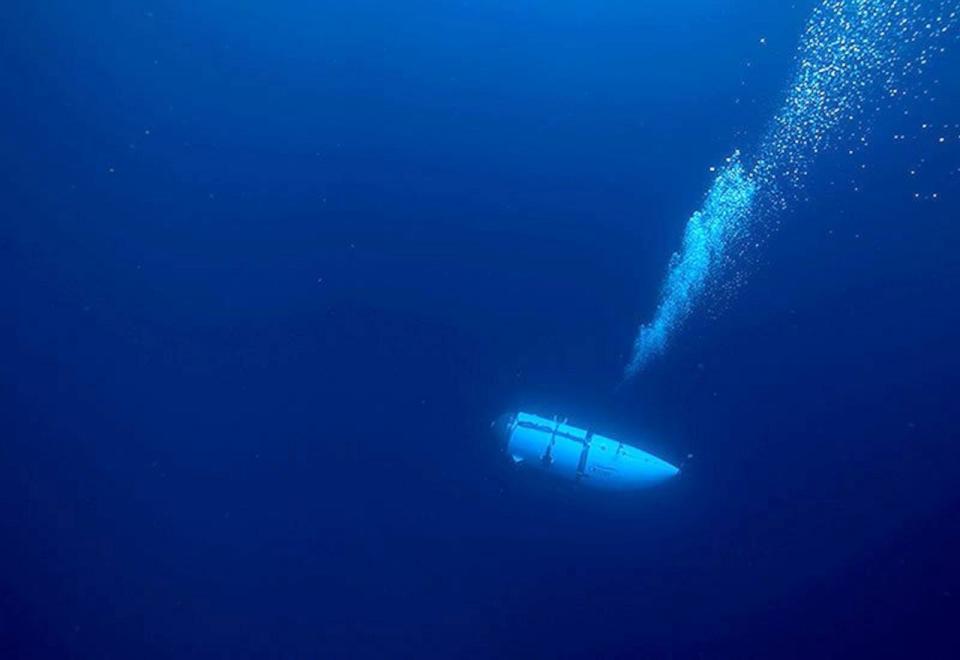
(854, 57)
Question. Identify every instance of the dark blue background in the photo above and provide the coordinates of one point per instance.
(270, 269)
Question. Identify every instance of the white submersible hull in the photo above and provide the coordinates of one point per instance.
(580, 455)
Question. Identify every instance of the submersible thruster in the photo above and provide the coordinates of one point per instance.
(580, 455)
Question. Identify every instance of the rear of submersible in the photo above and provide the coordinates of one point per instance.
(580, 455)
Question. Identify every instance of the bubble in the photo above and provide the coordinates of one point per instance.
(851, 54)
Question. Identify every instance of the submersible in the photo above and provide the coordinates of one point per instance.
(579, 455)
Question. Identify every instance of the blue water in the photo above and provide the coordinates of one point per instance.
(271, 269)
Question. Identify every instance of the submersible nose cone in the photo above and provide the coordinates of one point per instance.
(666, 470)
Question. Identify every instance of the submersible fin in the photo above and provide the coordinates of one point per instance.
(580, 455)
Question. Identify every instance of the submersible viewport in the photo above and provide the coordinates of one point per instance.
(580, 455)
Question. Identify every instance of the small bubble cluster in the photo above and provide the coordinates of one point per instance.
(855, 58)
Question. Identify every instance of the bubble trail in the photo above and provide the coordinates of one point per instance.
(705, 240)
(854, 56)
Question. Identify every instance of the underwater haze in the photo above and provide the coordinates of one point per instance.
(271, 271)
